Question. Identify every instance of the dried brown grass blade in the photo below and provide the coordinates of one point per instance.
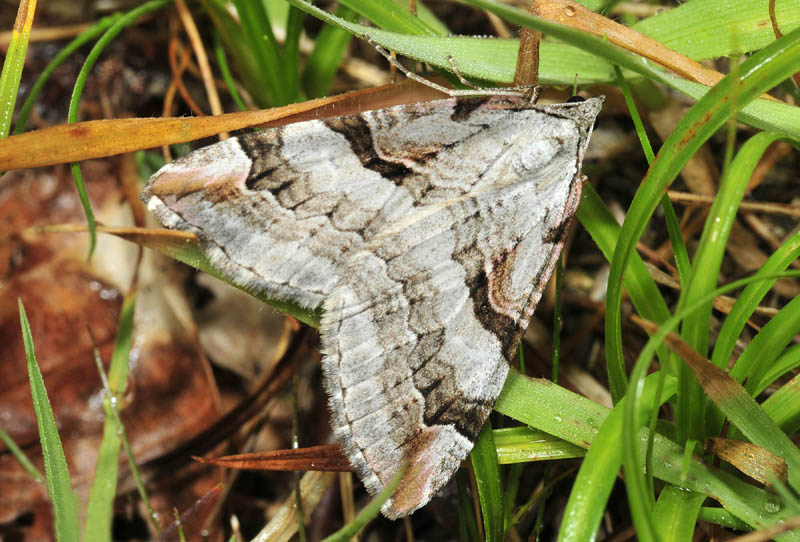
(99, 138)
(718, 385)
(577, 16)
(325, 458)
(754, 461)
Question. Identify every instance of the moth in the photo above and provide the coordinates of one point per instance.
(425, 232)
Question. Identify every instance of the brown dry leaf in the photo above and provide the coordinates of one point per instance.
(169, 397)
(754, 461)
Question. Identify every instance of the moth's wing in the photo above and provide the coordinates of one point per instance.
(417, 333)
(278, 211)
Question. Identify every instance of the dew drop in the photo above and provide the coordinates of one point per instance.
(569, 11)
(557, 418)
(772, 506)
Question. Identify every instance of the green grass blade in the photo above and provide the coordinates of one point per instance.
(790, 359)
(748, 300)
(80, 82)
(673, 228)
(20, 456)
(548, 407)
(487, 478)
(84, 37)
(705, 270)
(369, 512)
(257, 81)
(782, 406)
(100, 508)
(428, 17)
(637, 488)
(720, 516)
(394, 16)
(762, 114)
(592, 487)
(14, 63)
(256, 32)
(522, 444)
(757, 74)
(291, 52)
(703, 29)
(59, 485)
(224, 69)
(765, 348)
(645, 296)
(467, 526)
(329, 49)
(676, 514)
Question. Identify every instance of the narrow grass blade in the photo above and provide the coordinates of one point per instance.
(394, 16)
(644, 294)
(255, 31)
(59, 485)
(257, 81)
(14, 62)
(323, 62)
(546, 406)
(598, 472)
(522, 445)
(222, 62)
(789, 360)
(291, 53)
(760, 356)
(782, 406)
(757, 74)
(369, 512)
(100, 508)
(467, 526)
(487, 477)
(704, 29)
(17, 452)
(676, 513)
(77, 90)
(722, 517)
(707, 262)
(740, 408)
(748, 300)
(84, 37)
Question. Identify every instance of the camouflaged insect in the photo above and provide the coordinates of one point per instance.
(426, 232)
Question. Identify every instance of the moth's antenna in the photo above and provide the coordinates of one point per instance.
(531, 93)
